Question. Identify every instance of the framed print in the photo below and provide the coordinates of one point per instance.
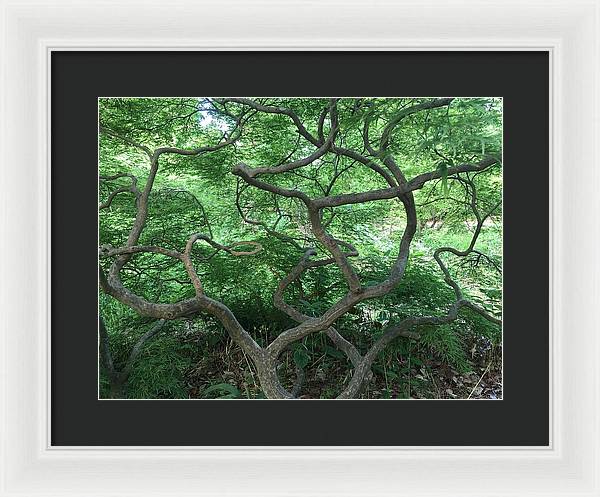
(277, 255)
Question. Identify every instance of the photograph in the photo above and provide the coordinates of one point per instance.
(300, 248)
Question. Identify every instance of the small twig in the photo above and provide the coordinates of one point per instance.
(480, 378)
(250, 368)
(434, 383)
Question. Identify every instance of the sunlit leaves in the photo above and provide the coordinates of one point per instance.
(198, 194)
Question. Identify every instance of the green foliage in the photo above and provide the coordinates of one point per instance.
(301, 356)
(158, 372)
(222, 391)
(445, 341)
(198, 194)
(443, 169)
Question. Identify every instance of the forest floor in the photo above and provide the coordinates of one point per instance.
(430, 379)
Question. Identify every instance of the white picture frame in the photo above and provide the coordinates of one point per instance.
(567, 29)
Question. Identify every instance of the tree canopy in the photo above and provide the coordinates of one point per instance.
(317, 243)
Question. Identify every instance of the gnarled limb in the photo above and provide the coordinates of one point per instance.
(389, 193)
(132, 188)
(413, 109)
(383, 163)
(270, 109)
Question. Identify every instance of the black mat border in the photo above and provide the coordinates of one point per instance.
(78, 418)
